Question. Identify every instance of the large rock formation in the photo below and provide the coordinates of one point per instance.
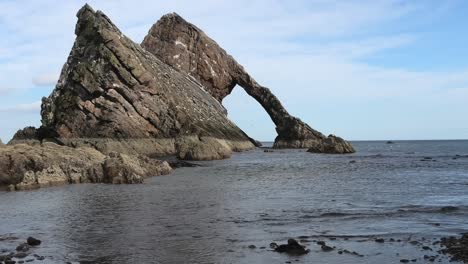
(115, 96)
(24, 166)
(188, 49)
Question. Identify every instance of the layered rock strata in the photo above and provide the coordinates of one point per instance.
(115, 96)
(188, 49)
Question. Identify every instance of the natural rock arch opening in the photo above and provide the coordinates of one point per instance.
(249, 115)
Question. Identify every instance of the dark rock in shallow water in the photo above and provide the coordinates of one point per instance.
(326, 248)
(293, 247)
(188, 49)
(22, 247)
(456, 247)
(20, 255)
(33, 241)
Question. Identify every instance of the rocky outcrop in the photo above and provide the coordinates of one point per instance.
(24, 166)
(332, 145)
(115, 96)
(188, 49)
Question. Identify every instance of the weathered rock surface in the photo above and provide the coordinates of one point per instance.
(456, 247)
(115, 96)
(292, 247)
(24, 166)
(332, 145)
(188, 49)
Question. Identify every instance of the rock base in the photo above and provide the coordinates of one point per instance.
(24, 167)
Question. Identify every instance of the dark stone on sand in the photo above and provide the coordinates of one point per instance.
(293, 247)
(33, 241)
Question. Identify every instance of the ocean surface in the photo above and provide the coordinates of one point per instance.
(409, 193)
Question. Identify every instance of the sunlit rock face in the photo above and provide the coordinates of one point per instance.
(188, 49)
(116, 96)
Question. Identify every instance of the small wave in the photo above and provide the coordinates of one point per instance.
(399, 211)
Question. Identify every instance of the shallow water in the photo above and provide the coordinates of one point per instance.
(410, 190)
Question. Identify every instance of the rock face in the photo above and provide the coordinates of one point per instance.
(24, 166)
(115, 96)
(188, 49)
(332, 145)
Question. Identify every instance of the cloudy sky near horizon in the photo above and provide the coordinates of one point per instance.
(364, 69)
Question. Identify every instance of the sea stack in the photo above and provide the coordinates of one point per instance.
(188, 49)
(115, 96)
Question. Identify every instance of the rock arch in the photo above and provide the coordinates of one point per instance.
(188, 49)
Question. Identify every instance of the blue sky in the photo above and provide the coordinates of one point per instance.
(366, 69)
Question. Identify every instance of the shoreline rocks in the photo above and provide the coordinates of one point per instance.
(292, 247)
(456, 247)
(24, 167)
(332, 145)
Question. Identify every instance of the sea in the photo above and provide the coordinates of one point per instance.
(404, 194)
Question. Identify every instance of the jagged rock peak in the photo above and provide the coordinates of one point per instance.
(188, 49)
(111, 89)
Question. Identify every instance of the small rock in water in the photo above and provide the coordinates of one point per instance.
(293, 247)
(321, 243)
(379, 240)
(33, 241)
(252, 246)
(22, 247)
(326, 248)
(427, 248)
(20, 255)
(404, 260)
(449, 209)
